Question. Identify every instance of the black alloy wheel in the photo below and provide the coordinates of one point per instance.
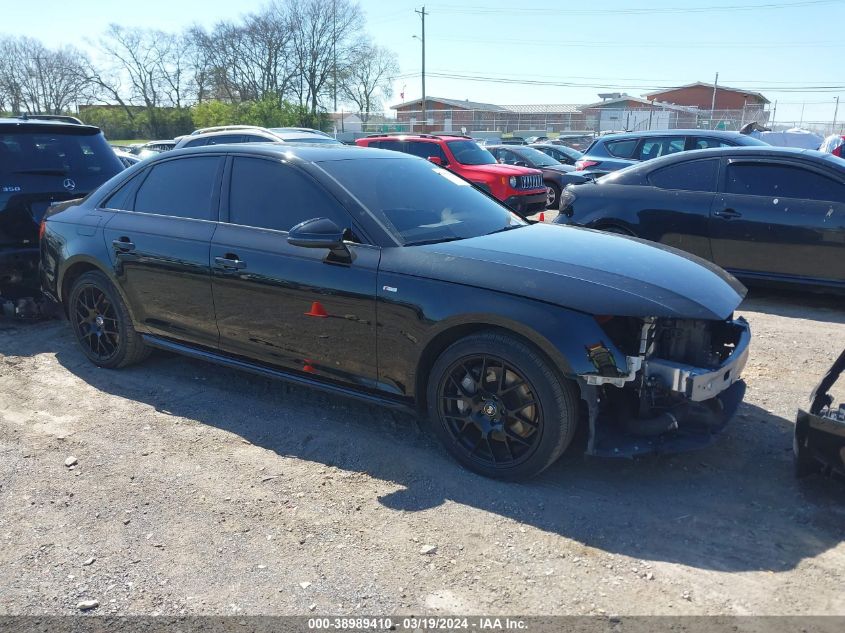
(491, 410)
(95, 321)
(498, 406)
(102, 323)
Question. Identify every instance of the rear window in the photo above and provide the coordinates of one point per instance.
(622, 149)
(57, 153)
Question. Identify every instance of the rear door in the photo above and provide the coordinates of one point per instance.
(284, 305)
(159, 240)
(780, 217)
(677, 211)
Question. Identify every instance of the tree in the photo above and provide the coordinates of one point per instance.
(368, 77)
(323, 35)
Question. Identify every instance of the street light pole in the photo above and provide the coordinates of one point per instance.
(422, 15)
(835, 114)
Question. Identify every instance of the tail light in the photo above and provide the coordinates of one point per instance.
(566, 200)
(583, 164)
(42, 227)
(838, 151)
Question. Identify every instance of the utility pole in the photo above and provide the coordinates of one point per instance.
(334, 49)
(774, 114)
(422, 15)
(713, 102)
(835, 114)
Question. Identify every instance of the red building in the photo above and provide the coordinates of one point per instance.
(700, 95)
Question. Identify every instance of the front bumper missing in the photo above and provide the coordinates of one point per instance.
(705, 399)
(700, 384)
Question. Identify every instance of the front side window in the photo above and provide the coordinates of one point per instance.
(470, 153)
(707, 143)
(269, 195)
(419, 202)
(696, 175)
(424, 150)
(656, 147)
(782, 181)
(182, 188)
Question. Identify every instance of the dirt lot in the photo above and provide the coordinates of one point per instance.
(200, 490)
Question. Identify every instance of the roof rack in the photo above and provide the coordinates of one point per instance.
(224, 128)
(50, 117)
(420, 135)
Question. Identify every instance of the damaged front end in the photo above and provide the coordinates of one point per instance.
(681, 385)
(819, 441)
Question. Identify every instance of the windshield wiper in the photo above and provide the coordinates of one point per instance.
(509, 227)
(437, 240)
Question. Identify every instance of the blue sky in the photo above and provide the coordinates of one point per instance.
(621, 45)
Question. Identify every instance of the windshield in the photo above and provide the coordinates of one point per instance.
(57, 153)
(470, 153)
(536, 156)
(420, 202)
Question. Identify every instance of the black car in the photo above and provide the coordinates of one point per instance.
(376, 274)
(555, 176)
(561, 153)
(616, 151)
(775, 214)
(43, 160)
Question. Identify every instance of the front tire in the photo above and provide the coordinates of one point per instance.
(499, 408)
(102, 324)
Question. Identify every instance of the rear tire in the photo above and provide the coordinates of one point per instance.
(553, 196)
(102, 324)
(499, 408)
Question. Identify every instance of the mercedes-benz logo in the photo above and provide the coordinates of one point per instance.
(490, 409)
(69, 184)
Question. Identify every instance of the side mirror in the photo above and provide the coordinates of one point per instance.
(436, 160)
(317, 233)
(321, 233)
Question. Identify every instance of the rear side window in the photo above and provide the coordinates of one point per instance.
(656, 147)
(396, 146)
(76, 156)
(696, 175)
(196, 143)
(182, 188)
(269, 195)
(622, 149)
(782, 181)
(225, 138)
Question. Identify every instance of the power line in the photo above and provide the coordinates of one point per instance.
(570, 84)
(628, 45)
(474, 10)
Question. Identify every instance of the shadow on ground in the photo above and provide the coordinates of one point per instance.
(824, 307)
(732, 507)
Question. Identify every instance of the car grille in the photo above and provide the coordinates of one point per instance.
(530, 182)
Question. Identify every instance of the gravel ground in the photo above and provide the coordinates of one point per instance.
(199, 490)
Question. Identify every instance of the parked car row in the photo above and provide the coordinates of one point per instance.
(762, 213)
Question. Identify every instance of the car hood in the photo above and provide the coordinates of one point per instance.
(585, 270)
(498, 169)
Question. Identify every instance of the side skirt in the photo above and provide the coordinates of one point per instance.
(277, 374)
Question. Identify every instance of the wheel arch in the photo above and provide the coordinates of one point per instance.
(455, 331)
(75, 268)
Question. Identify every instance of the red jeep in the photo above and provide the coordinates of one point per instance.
(520, 188)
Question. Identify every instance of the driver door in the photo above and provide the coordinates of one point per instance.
(284, 305)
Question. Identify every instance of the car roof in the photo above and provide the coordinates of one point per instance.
(35, 125)
(743, 151)
(310, 152)
(671, 132)
(243, 131)
(422, 137)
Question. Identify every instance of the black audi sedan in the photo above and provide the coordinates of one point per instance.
(555, 175)
(763, 213)
(379, 275)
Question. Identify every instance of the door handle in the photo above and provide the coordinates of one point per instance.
(230, 261)
(728, 214)
(123, 244)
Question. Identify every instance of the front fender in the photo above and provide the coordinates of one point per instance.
(419, 317)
